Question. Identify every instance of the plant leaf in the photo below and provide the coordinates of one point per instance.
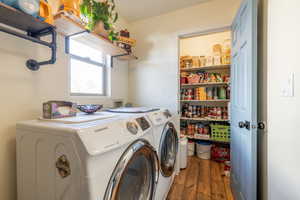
(116, 18)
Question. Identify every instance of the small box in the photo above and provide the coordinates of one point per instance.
(59, 109)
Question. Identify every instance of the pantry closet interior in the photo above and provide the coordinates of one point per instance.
(204, 71)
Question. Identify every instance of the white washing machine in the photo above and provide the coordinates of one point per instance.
(166, 145)
(107, 159)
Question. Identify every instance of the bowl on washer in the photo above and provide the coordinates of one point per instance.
(89, 108)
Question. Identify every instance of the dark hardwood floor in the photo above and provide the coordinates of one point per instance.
(201, 180)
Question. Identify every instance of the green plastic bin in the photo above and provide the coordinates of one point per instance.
(220, 132)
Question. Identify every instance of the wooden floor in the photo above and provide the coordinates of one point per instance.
(202, 180)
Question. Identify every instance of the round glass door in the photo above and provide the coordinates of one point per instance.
(168, 150)
(136, 174)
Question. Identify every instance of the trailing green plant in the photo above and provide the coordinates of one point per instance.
(100, 11)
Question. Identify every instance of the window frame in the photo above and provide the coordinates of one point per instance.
(91, 62)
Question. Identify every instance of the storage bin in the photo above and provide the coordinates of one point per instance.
(220, 132)
(8, 2)
(203, 150)
(183, 152)
(191, 148)
(31, 7)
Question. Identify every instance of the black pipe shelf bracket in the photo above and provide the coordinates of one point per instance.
(34, 30)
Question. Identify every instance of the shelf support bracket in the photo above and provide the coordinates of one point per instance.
(33, 64)
(35, 37)
(116, 56)
(67, 40)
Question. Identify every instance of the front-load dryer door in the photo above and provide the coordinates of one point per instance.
(136, 174)
(168, 150)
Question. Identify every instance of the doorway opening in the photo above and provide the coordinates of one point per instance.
(204, 99)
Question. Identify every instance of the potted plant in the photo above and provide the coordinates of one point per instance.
(100, 17)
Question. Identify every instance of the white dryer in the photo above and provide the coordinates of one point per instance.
(108, 159)
(166, 145)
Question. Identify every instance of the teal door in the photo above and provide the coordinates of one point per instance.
(244, 102)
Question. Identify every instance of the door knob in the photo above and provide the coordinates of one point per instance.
(242, 124)
(245, 124)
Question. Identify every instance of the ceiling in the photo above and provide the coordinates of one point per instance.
(133, 10)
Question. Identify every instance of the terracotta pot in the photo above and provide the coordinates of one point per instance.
(100, 30)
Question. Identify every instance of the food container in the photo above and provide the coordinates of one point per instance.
(191, 148)
(202, 61)
(59, 109)
(217, 60)
(203, 150)
(217, 49)
(209, 61)
(183, 152)
(46, 12)
(30, 7)
(193, 78)
(195, 61)
(183, 80)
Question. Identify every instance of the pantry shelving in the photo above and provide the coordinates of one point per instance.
(29, 28)
(204, 119)
(217, 100)
(206, 139)
(204, 84)
(213, 67)
(205, 89)
(71, 26)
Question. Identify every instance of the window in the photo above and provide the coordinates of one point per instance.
(88, 71)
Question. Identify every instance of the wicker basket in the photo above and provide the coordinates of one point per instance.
(220, 132)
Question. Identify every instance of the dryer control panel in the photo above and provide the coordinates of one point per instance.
(143, 122)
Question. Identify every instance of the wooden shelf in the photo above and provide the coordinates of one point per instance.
(203, 84)
(219, 100)
(69, 25)
(29, 28)
(207, 139)
(204, 119)
(20, 20)
(216, 67)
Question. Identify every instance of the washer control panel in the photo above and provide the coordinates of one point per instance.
(143, 122)
(167, 113)
(132, 127)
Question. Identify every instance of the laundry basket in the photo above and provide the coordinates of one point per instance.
(203, 150)
(220, 132)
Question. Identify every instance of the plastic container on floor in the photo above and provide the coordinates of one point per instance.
(191, 148)
(183, 152)
(203, 150)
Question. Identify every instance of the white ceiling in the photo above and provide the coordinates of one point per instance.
(133, 10)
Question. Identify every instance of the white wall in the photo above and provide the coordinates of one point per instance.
(202, 45)
(283, 112)
(153, 77)
(23, 92)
